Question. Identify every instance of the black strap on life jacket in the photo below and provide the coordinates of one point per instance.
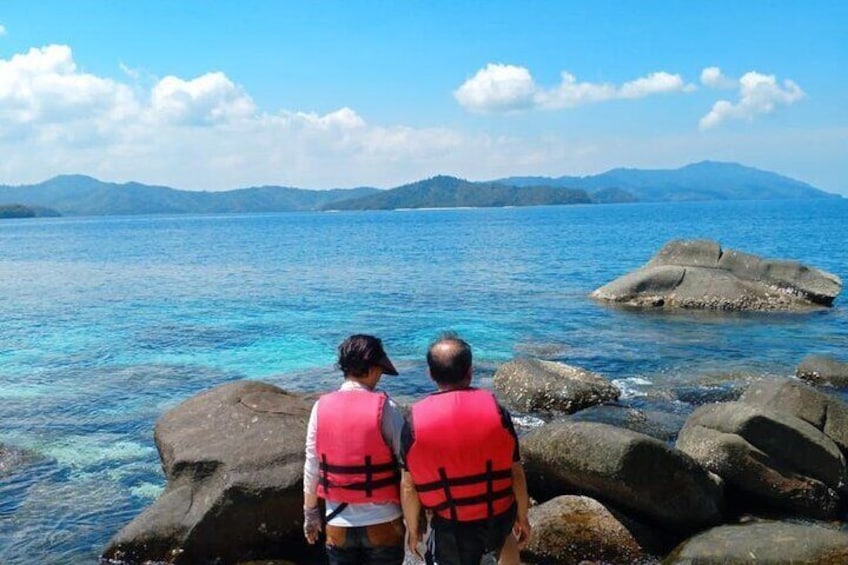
(369, 485)
(335, 512)
(488, 477)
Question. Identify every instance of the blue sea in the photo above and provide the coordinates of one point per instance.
(105, 323)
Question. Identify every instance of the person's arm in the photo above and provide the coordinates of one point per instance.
(522, 500)
(519, 483)
(393, 424)
(312, 525)
(411, 512)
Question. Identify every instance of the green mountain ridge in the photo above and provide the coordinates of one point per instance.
(80, 195)
(452, 192)
(707, 180)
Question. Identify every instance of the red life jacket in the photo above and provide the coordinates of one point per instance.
(354, 463)
(461, 455)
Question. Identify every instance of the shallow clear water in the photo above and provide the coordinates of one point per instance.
(107, 322)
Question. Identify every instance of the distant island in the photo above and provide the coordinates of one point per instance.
(79, 195)
(8, 211)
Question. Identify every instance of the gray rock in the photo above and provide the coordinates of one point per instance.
(631, 471)
(778, 460)
(233, 458)
(531, 384)
(698, 274)
(764, 542)
(663, 426)
(573, 529)
(825, 412)
(823, 370)
(756, 481)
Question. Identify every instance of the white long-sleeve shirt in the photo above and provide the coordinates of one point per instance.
(358, 514)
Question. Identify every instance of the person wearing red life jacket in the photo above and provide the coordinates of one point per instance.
(352, 444)
(462, 464)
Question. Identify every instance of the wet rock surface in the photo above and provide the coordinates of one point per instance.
(823, 370)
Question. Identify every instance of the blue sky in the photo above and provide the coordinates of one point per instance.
(219, 95)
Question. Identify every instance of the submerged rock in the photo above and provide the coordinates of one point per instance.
(13, 458)
(531, 384)
(764, 542)
(699, 274)
(633, 472)
(823, 370)
(233, 458)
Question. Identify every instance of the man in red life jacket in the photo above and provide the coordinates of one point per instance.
(462, 463)
(352, 442)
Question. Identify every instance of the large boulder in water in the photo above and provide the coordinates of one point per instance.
(628, 470)
(823, 370)
(233, 458)
(772, 459)
(764, 542)
(699, 274)
(531, 384)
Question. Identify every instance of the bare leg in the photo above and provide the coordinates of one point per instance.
(509, 552)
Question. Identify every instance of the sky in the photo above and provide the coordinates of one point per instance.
(204, 95)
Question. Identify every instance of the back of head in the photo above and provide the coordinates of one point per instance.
(449, 359)
(358, 353)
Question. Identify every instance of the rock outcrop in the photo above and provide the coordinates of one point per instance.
(532, 385)
(233, 459)
(628, 470)
(575, 529)
(827, 413)
(782, 463)
(823, 370)
(699, 274)
(764, 542)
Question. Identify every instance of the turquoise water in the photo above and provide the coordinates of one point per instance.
(108, 322)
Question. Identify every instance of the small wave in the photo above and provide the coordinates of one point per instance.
(628, 387)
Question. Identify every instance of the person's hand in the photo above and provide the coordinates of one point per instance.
(312, 523)
(521, 530)
(412, 540)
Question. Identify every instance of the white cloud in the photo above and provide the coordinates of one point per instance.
(499, 88)
(43, 86)
(758, 94)
(208, 99)
(2, 30)
(205, 132)
(714, 78)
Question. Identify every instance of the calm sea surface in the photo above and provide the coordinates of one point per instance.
(105, 323)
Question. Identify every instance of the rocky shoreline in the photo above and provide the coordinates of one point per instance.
(754, 471)
(772, 462)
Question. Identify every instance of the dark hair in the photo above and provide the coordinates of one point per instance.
(358, 353)
(450, 366)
